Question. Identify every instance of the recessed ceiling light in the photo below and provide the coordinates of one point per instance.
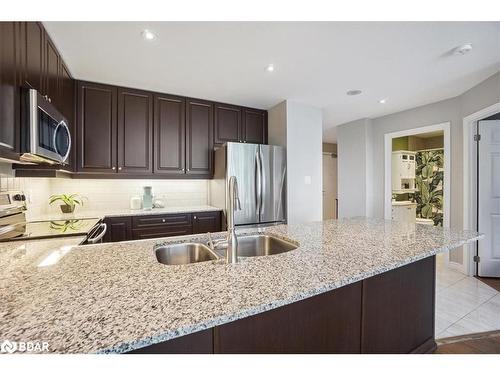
(463, 49)
(353, 92)
(270, 68)
(148, 35)
(382, 101)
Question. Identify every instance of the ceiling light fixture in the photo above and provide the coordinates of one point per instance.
(353, 92)
(463, 49)
(270, 68)
(382, 101)
(148, 35)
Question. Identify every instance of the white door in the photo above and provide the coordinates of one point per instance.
(489, 198)
(329, 187)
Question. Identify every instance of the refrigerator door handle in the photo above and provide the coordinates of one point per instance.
(258, 182)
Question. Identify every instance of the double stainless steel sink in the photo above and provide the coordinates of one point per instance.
(248, 246)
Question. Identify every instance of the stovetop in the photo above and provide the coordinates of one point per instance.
(57, 228)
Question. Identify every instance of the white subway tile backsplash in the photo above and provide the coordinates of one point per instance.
(113, 194)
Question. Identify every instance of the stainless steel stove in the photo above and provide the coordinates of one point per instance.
(13, 225)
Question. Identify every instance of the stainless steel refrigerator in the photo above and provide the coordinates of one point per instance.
(261, 174)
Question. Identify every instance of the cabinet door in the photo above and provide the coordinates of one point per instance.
(96, 128)
(67, 107)
(169, 135)
(8, 86)
(34, 56)
(204, 222)
(228, 124)
(254, 126)
(52, 62)
(199, 138)
(119, 229)
(135, 131)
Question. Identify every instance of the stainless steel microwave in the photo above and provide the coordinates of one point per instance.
(45, 135)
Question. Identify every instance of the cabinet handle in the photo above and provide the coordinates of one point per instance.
(119, 168)
(162, 220)
(113, 168)
(183, 169)
(188, 169)
(194, 217)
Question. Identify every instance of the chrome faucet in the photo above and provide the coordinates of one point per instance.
(234, 204)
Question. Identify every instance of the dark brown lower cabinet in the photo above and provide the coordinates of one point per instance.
(398, 309)
(389, 313)
(326, 323)
(118, 229)
(143, 227)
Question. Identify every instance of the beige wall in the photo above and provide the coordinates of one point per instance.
(330, 147)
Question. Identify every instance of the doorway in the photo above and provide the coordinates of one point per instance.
(330, 202)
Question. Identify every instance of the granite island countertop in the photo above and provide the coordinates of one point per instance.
(116, 297)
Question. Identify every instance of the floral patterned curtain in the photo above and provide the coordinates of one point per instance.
(429, 181)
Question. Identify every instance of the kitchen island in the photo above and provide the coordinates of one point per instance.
(353, 285)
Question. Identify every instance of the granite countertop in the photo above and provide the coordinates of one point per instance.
(113, 298)
(115, 212)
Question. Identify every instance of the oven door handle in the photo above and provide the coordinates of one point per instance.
(65, 126)
(93, 240)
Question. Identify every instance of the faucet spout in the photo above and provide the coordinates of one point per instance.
(234, 205)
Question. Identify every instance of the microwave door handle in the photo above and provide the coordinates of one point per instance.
(97, 238)
(63, 124)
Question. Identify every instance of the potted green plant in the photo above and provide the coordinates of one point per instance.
(69, 201)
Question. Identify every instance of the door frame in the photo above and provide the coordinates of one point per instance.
(469, 180)
(445, 127)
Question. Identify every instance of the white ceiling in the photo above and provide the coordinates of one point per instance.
(409, 63)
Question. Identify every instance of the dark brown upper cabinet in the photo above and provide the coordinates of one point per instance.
(169, 135)
(199, 137)
(66, 104)
(135, 131)
(97, 128)
(52, 70)
(228, 124)
(254, 126)
(34, 55)
(8, 88)
(238, 124)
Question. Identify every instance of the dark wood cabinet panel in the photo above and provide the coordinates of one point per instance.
(161, 231)
(194, 343)
(118, 229)
(204, 222)
(97, 128)
(52, 71)
(66, 104)
(227, 124)
(135, 131)
(398, 309)
(9, 101)
(169, 135)
(326, 323)
(199, 138)
(34, 59)
(254, 126)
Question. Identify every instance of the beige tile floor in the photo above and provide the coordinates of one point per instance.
(464, 305)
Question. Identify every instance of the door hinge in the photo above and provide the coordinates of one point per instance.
(476, 258)
(477, 137)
